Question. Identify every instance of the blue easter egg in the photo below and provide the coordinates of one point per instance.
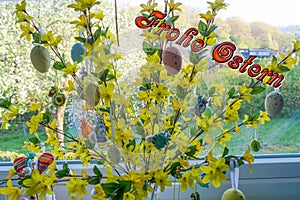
(77, 51)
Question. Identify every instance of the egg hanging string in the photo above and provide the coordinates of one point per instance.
(112, 122)
(234, 173)
(116, 20)
(233, 193)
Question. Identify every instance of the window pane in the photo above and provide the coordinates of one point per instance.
(280, 135)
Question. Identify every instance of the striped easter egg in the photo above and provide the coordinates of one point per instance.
(19, 165)
(44, 161)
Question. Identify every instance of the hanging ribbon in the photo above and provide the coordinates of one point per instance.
(116, 20)
(234, 173)
(111, 110)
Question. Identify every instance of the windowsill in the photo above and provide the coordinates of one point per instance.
(274, 177)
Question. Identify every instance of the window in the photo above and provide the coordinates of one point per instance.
(281, 135)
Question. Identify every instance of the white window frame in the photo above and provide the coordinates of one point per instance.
(274, 177)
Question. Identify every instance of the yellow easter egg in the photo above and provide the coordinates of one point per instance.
(232, 194)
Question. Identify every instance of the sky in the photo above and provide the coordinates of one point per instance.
(273, 12)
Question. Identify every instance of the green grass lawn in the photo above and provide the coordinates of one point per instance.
(280, 135)
(12, 141)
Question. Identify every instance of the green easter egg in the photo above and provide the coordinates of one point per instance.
(40, 58)
(232, 194)
(58, 99)
(195, 196)
(255, 145)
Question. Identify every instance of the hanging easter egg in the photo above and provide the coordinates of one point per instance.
(255, 145)
(274, 103)
(86, 128)
(27, 171)
(199, 109)
(91, 94)
(44, 161)
(114, 154)
(58, 99)
(92, 140)
(100, 132)
(160, 140)
(195, 196)
(40, 58)
(19, 165)
(172, 59)
(232, 194)
(77, 52)
(201, 106)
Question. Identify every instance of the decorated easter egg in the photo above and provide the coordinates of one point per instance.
(91, 94)
(58, 99)
(19, 165)
(160, 140)
(100, 132)
(232, 194)
(44, 161)
(199, 109)
(114, 154)
(77, 52)
(274, 103)
(27, 171)
(93, 138)
(86, 128)
(201, 106)
(255, 145)
(172, 59)
(195, 196)
(40, 58)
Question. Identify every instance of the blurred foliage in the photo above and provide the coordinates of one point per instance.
(254, 34)
(17, 74)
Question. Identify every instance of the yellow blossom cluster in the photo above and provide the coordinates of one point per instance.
(141, 134)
